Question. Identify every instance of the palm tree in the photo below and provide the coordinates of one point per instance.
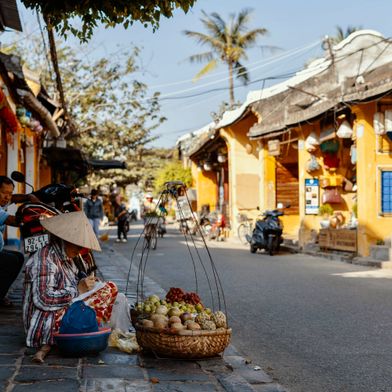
(341, 34)
(228, 42)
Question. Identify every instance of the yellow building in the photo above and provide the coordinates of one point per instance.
(334, 102)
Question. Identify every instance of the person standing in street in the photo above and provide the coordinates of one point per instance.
(11, 262)
(148, 207)
(93, 209)
(121, 215)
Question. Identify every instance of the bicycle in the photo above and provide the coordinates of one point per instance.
(151, 233)
(244, 228)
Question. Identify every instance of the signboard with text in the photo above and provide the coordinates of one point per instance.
(312, 196)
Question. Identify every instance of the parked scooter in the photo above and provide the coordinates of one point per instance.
(54, 200)
(267, 233)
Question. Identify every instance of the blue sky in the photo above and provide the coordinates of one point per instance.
(291, 24)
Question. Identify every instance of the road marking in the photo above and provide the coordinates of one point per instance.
(375, 274)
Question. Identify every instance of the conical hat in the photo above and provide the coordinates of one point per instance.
(73, 227)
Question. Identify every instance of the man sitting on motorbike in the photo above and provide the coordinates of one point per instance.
(11, 262)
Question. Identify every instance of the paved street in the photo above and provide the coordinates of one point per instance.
(114, 370)
(313, 324)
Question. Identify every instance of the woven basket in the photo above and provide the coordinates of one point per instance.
(184, 344)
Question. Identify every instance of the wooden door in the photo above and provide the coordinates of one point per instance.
(287, 186)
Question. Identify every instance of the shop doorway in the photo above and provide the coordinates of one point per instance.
(287, 186)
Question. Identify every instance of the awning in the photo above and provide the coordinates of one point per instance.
(101, 164)
(67, 159)
(73, 159)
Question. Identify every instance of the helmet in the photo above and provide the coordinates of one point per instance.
(148, 196)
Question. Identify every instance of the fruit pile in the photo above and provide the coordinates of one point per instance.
(178, 311)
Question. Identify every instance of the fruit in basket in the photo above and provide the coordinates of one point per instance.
(153, 298)
(174, 312)
(159, 317)
(174, 319)
(175, 327)
(208, 325)
(193, 326)
(161, 309)
(175, 294)
(192, 298)
(186, 316)
(219, 318)
(202, 317)
(199, 307)
(147, 323)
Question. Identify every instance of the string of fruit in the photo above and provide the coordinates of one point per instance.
(178, 311)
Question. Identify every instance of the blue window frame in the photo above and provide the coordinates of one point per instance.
(386, 192)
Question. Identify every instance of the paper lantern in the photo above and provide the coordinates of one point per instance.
(345, 131)
(378, 123)
(388, 121)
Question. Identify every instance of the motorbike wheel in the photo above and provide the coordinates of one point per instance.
(253, 249)
(270, 246)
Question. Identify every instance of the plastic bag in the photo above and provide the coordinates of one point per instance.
(124, 341)
(121, 317)
(332, 196)
(312, 164)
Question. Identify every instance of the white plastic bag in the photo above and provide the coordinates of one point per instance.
(312, 142)
(121, 317)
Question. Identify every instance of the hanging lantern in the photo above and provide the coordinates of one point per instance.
(378, 123)
(345, 131)
(388, 121)
(221, 158)
(207, 166)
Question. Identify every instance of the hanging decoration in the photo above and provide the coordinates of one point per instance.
(378, 123)
(7, 115)
(345, 131)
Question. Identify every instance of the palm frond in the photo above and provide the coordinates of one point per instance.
(242, 19)
(249, 38)
(208, 68)
(199, 58)
(205, 39)
(241, 72)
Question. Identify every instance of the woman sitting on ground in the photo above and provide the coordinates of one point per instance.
(52, 283)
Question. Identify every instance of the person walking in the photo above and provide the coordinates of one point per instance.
(121, 215)
(11, 262)
(93, 208)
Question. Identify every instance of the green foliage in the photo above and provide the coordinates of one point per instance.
(326, 209)
(172, 171)
(66, 15)
(341, 34)
(114, 113)
(228, 42)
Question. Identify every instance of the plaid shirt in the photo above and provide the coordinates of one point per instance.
(50, 285)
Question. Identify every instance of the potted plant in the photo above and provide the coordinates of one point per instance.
(325, 210)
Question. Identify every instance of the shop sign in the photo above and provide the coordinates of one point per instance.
(312, 196)
(274, 147)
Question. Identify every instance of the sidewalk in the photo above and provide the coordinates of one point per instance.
(114, 370)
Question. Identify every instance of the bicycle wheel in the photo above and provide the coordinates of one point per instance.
(243, 231)
(154, 240)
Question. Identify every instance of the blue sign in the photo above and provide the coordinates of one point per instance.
(312, 196)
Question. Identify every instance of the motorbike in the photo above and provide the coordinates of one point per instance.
(217, 223)
(54, 199)
(267, 233)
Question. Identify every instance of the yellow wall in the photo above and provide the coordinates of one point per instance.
(372, 224)
(206, 188)
(244, 170)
